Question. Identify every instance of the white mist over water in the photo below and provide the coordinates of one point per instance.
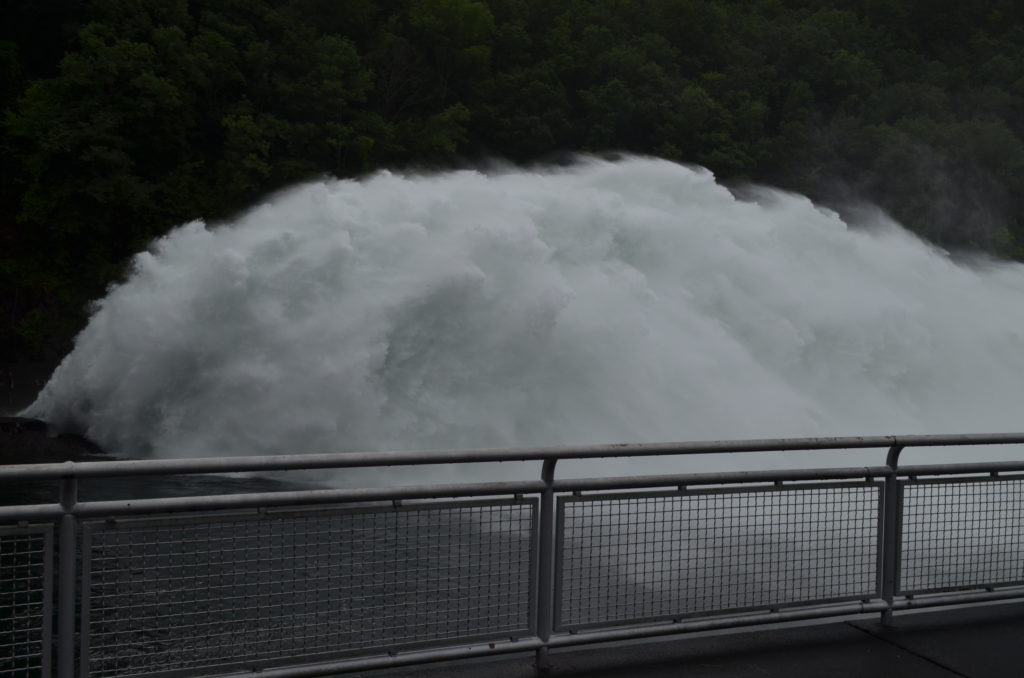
(622, 301)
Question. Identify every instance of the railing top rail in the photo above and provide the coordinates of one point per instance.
(107, 469)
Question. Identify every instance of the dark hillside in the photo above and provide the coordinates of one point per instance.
(123, 118)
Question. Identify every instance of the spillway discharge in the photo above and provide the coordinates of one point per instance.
(632, 300)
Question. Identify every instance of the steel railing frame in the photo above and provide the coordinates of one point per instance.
(69, 511)
(687, 492)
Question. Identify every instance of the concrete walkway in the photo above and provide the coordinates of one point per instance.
(977, 642)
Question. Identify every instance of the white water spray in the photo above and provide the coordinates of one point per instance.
(608, 302)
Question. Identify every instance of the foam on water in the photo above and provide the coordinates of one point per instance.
(635, 300)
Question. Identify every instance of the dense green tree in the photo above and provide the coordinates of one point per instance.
(122, 118)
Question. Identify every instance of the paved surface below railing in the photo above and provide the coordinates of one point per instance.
(977, 642)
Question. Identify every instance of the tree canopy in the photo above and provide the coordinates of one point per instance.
(123, 118)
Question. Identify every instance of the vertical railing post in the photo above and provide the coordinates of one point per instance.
(891, 516)
(66, 580)
(546, 574)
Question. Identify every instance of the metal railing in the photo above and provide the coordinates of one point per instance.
(319, 581)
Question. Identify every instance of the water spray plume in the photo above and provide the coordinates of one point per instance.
(635, 300)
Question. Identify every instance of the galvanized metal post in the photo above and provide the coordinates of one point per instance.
(66, 580)
(891, 516)
(546, 575)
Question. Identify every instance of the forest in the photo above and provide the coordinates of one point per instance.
(124, 118)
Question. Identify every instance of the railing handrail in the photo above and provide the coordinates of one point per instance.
(693, 481)
(875, 493)
(284, 462)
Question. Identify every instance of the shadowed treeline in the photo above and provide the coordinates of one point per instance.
(123, 118)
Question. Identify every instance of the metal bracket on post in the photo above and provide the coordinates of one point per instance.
(891, 516)
(66, 579)
(546, 576)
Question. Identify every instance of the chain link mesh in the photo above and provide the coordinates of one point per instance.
(24, 601)
(664, 555)
(959, 535)
(222, 590)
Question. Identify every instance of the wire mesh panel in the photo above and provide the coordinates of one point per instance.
(664, 555)
(26, 556)
(964, 533)
(217, 591)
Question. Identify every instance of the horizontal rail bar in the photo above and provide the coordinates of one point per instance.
(391, 661)
(254, 500)
(958, 598)
(724, 478)
(970, 467)
(711, 624)
(28, 512)
(107, 469)
(285, 498)
(95, 509)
